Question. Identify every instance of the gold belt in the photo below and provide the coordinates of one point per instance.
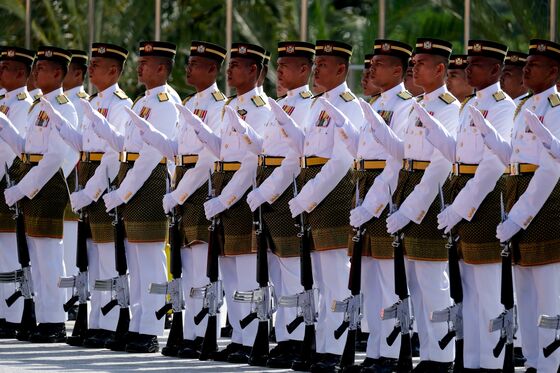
(414, 165)
(368, 164)
(312, 161)
(522, 168)
(186, 160)
(31, 158)
(222, 166)
(91, 156)
(129, 157)
(270, 161)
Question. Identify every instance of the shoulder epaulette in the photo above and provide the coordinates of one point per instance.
(62, 99)
(138, 99)
(405, 95)
(21, 96)
(218, 96)
(188, 98)
(554, 100)
(120, 94)
(374, 98)
(305, 94)
(419, 98)
(92, 96)
(82, 94)
(37, 96)
(499, 96)
(314, 98)
(35, 102)
(258, 101)
(347, 96)
(520, 105)
(229, 99)
(163, 96)
(281, 97)
(465, 101)
(447, 97)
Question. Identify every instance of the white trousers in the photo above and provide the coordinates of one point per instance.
(146, 264)
(538, 290)
(285, 276)
(330, 271)
(70, 243)
(239, 272)
(8, 263)
(47, 265)
(428, 284)
(101, 266)
(481, 303)
(378, 288)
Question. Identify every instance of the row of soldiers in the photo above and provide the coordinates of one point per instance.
(396, 150)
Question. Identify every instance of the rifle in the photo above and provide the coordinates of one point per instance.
(452, 315)
(22, 278)
(173, 288)
(212, 295)
(401, 309)
(79, 282)
(261, 299)
(506, 322)
(118, 286)
(353, 305)
(304, 301)
(550, 322)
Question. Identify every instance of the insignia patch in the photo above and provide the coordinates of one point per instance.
(145, 112)
(200, 113)
(288, 109)
(201, 49)
(447, 98)
(328, 48)
(4, 109)
(11, 53)
(323, 120)
(48, 54)
(148, 48)
(427, 44)
(541, 47)
(290, 49)
(405, 95)
(120, 94)
(477, 47)
(554, 100)
(103, 111)
(82, 94)
(242, 50)
(37, 96)
(42, 119)
(258, 101)
(218, 96)
(62, 99)
(306, 94)
(242, 113)
(347, 96)
(162, 97)
(386, 115)
(386, 47)
(101, 50)
(21, 96)
(499, 96)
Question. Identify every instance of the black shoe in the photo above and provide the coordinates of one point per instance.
(226, 331)
(24, 334)
(97, 338)
(119, 342)
(284, 354)
(518, 358)
(382, 365)
(173, 350)
(191, 349)
(533, 370)
(223, 355)
(143, 343)
(368, 362)
(240, 356)
(8, 329)
(300, 365)
(327, 363)
(415, 345)
(49, 333)
(428, 366)
(484, 370)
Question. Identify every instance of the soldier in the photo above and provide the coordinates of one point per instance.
(73, 83)
(368, 87)
(233, 174)
(278, 164)
(532, 202)
(193, 165)
(15, 67)
(32, 88)
(475, 199)
(457, 78)
(42, 189)
(424, 170)
(98, 163)
(512, 76)
(142, 178)
(409, 79)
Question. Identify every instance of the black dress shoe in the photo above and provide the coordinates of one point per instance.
(533, 370)
(8, 330)
(223, 355)
(49, 333)
(173, 350)
(97, 338)
(327, 364)
(428, 366)
(300, 365)
(240, 356)
(284, 354)
(382, 365)
(518, 358)
(118, 342)
(368, 362)
(24, 334)
(143, 343)
(191, 349)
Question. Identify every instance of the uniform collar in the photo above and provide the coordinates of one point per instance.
(435, 94)
(74, 91)
(298, 90)
(336, 91)
(156, 90)
(393, 91)
(51, 96)
(16, 92)
(208, 91)
(248, 95)
(544, 94)
(488, 91)
(109, 90)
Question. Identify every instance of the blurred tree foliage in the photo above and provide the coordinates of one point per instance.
(126, 22)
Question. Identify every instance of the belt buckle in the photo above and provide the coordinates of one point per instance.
(456, 167)
(219, 166)
(360, 166)
(262, 160)
(514, 169)
(179, 160)
(408, 165)
(123, 156)
(303, 162)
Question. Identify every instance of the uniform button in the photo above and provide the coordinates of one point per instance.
(517, 150)
(307, 143)
(363, 143)
(226, 146)
(520, 137)
(409, 146)
(461, 144)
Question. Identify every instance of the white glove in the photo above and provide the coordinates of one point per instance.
(142, 124)
(425, 117)
(12, 195)
(295, 207)
(507, 230)
(213, 207)
(234, 120)
(359, 216)
(112, 200)
(396, 221)
(188, 116)
(536, 126)
(79, 200)
(281, 116)
(54, 116)
(447, 219)
(336, 115)
(169, 202)
(479, 121)
(255, 199)
(370, 115)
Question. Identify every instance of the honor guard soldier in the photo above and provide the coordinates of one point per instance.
(457, 78)
(193, 164)
(141, 187)
(234, 173)
(32, 88)
(512, 76)
(327, 188)
(409, 79)
(99, 162)
(366, 82)
(474, 197)
(424, 170)
(532, 199)
(15, 67)
(42, 190)
(278, 165)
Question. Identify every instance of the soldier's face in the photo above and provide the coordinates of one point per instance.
(456, 78)
(327, 71)
(511, 79)
(147, 69)
(384, 70)
(11, 73)
(367, 84)
(480, 70)
(537, 70)
(291, 70)
(240, 70)
(46, 74)
(197, 68)
(101, 71)
(424, 70)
